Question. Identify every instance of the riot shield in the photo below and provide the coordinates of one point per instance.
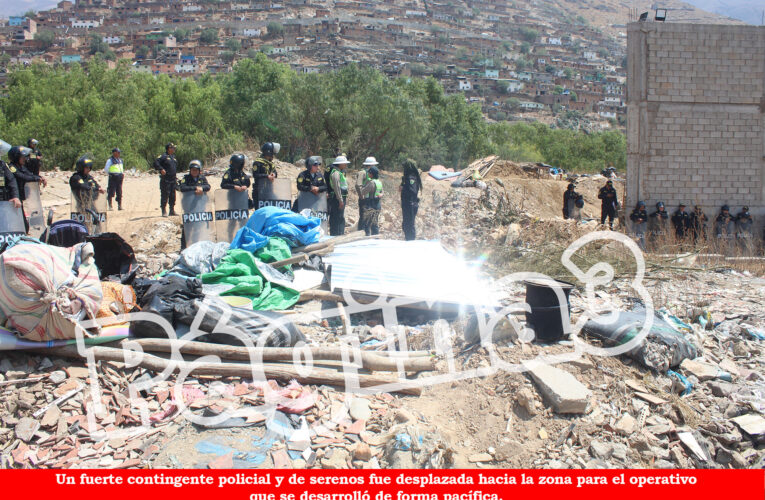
(312, 205)
(231, 212)
(90, 209)
(275, 194)
(33, 209)
(11, 221)
(198, 222)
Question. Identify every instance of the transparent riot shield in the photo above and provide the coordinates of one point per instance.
(33, 209)
(231, 212)
(90, 209)
(11, 221)
(198, 221)
(275, 194)
(312, 205)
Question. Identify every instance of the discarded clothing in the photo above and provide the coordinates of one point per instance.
(114, 256)
(240, 268)
(296, 229)
(118, 300)
(46, 290)
(199, 258)
(663, 348)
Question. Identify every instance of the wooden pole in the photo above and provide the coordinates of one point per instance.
(284, 373)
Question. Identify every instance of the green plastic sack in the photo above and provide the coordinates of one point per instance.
(239, 268)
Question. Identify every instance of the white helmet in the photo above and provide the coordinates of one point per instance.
(370, 161)
(341, 160)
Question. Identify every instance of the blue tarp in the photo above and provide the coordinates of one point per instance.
(441, 174)
(296, 229)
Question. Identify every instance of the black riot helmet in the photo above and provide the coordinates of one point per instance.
(32, 143)
(82, 163)
(237, 161)
(270, 149)
(17, 152)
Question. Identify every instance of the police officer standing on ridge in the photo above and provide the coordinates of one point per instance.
(167, 166)
(410, 187)
(115, 169)
(608, 204)
(263, 169)
(570, 197)
(34, 163)
(338, 195)
(235, 178)
(311, 180)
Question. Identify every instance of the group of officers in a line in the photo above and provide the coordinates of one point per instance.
(23, 167)
(333, 184)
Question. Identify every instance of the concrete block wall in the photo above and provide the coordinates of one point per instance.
(696, 116)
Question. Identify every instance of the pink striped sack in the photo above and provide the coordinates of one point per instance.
(41, 296)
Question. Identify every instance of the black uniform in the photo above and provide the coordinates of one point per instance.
(23, 175)
(682, 222)
(639, 216)
(189, 183)
(724, 225)
(609, 202)
(306, 180)
(34, 162)
(410, 203)
(167, 182)
(84, 187)
(744, 223)
(114, 186)
(658, 222)
(9, 189)
(698, 225)
(569, 200)
(234, 177)
(261, 169)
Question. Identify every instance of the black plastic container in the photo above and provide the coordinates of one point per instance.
(545, 315)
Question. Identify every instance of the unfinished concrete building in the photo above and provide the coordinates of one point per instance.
(696, 116)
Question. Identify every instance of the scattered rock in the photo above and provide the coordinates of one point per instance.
(480, 458)
(599, 449)
(626, 425)
(26, 429)
(362, 452)
(80, 372)
(722, 389)
(57, 377)
(560, 389)
(359, 409)
(402, 416)
(702, 371)
(338, 459)
(51, 417)
(527, 401)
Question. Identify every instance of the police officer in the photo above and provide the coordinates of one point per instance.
(311, 180)
(658, 220)
(194, 180)
(608, 203)
(9, 190)
(18, 156)
(744, 223)
(639, 218)
(362, 178)
(698, 223)
(167, 166)
(263, 169)
(372, 196)
(724, 223)
(235, 178)
(410, 188)
(337, 195)
(681, 221)
(34, 163)
(570, 198)
(115, 169)
(84, 187)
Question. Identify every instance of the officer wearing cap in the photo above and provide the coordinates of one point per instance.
(724, 223)
(167, 166)
(115, 169)
(609, 204)
(263, 168)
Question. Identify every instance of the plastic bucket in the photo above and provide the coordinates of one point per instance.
(233, 301)
(550, 318)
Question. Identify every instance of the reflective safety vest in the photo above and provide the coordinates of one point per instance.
(343, 181)
(378, 189)
(115, 168)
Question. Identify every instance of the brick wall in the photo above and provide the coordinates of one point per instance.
(696, 116)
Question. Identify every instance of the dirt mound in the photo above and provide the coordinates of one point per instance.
(504, 169)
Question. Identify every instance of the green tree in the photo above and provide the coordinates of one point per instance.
(528, 34)
(568, 73)
(30, 14)
(46, 38)
(557, 90)
(573, 96)
(525, 47)
(97, 44)
(234, 45)
(275, 30)
(209, 36)
(142, 51)
(181, 35)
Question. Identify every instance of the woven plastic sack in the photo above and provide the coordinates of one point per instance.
(45, 290)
